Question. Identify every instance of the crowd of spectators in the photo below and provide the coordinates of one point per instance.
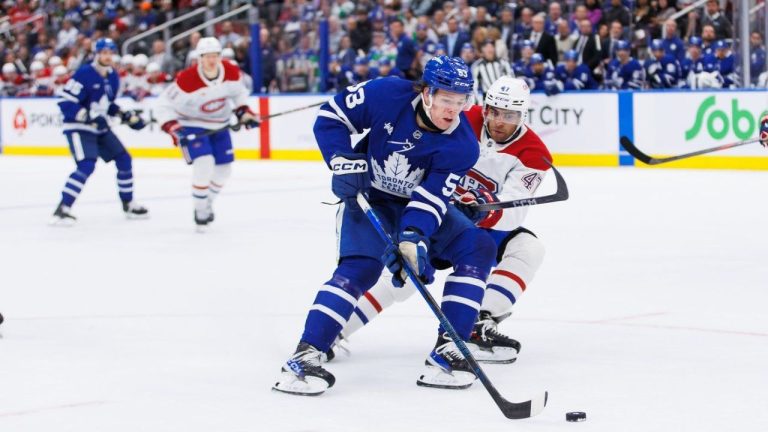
(556, 46)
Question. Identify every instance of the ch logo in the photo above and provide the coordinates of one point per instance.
(20, 121)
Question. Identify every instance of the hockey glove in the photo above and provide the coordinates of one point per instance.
(413, 250)
(247, 117)
(132, 119)
(100, 123)
(764, 131)
(468, 201)
(350, 175)
(172, 128)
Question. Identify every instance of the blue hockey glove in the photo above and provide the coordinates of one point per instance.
(100, 123)
(247, 117)
(413, 250)
(764, 131)
(483, 219)
(132, 119)
(350, 175)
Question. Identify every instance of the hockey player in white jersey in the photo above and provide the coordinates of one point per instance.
(512, 164)
(203, 98)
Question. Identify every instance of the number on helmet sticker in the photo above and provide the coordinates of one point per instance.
(462, 73)
(450, 184)
(356, 95)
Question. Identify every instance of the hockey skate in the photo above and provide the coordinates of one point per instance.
(446, 367)
(488, 345)
(340, 346)
(62, 217)
(303, 375)
(135, 211)
(202, 219)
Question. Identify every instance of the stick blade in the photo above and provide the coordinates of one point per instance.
(629, 146)
(524, 410)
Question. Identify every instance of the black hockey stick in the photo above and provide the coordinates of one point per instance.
(650, 160)
(561, 194)
(238, 125)
(511, 410)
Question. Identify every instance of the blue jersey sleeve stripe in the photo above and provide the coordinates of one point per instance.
(68, 97)
(342, 116)
(427, 208)
(332, 116)
(437, 202)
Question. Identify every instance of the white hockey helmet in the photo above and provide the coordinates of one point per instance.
(54, 61)
(116, 59)
(511, 94)
(36, 66)
(59, 70)
(228, 53)
(9, 68)
(153, 68)
(41, 57)
(140, 61)
(127, 60)
(208, 45)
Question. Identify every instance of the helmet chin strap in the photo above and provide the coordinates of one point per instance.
(422, 110)
(427, 106)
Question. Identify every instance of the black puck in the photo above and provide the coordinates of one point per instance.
(1, 318)
(576, 416)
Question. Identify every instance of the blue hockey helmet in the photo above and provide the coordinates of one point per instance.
(467, 46)
(104, 44)
(537, 59)
(622, 45)
(448, 73)
(695, 41)
(362, 60)
(721, 44)
(571, 55)
(657, 45)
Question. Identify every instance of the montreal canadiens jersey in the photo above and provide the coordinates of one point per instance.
(511, 171)
(89, 90)
(406, 163)
(196, 101)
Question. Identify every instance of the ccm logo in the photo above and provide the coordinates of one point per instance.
(346, 166)
(213, 106)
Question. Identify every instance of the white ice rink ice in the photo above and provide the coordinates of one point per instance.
(649, 312)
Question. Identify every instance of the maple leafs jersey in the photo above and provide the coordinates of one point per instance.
(407, 163)
(512, 170)
(89, 90)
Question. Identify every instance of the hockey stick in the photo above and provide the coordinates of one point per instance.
(561, 194)
(237, 126)
(650, 160)
(511, 410)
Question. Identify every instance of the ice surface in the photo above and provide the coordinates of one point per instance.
(649, 312)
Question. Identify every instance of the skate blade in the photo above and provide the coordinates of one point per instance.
(495, 355)
(437, 378)
(59, 222)
(201, 229)
(131, 216)
(291, 384)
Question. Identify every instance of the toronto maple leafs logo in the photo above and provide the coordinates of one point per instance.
(396, 176)
(388, 127)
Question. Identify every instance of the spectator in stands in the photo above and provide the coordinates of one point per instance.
(406, 50)
(692, 64)
(574, 76)
(554, 17)
(157, 80)
(664, 11)
(41, 80)
(381, 47)
(300, 69)
(594, 11)
(642, 18)
(524, 26)
(468, 54)
(618, 12)
(756, 56)
(488, 69)
(146, 18)
(361, 34)
(564, 41)
(615, 34)
(727, 64)
(543, 42)
(335, 33)
(386, 69)
(346, 53)
(520, 67)
(67, 36)
(673, 45)
(12, 83)
(505, 24)
(714, 17)
(439, 26)
(588, 46)
(159, 56)
(494, 34)
(60, 78)
(228, 37)
(454, 39)
(268, 63)
(479, 36)
(194, 38)
(421, 7)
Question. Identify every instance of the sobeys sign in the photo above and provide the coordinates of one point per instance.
(717, 120)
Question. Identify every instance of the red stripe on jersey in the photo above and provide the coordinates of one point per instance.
(373, 301)
(475, 117)
(512, 276)
(189, 80)
(531, 151)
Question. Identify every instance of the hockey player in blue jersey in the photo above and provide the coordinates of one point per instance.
(692, 65)
(419, 146)
(522, 66)
(727, 64)
(540, 76)
(764, 131)
(87, 99)
(662, 70)
(624, 72)
(573, 76)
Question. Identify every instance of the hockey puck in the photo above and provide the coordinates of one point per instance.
(1, 318)
(576, 416)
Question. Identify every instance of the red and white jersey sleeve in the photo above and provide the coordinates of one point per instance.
(196, 101)
(513, 170)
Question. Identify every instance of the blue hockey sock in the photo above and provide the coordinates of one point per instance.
(462, 297)
(124, 177)
(76, 181)
(337, 299)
